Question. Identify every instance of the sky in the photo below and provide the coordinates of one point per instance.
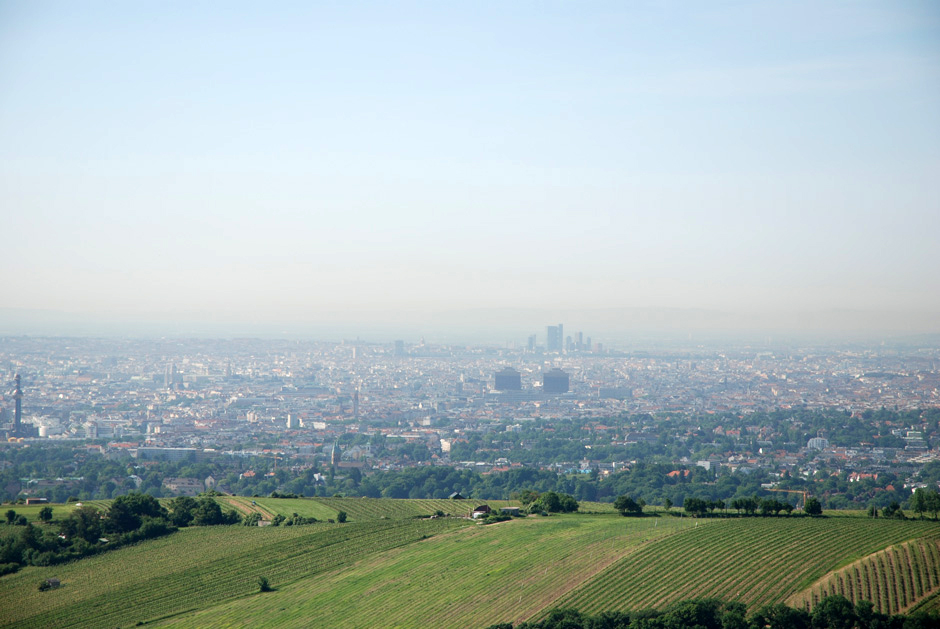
(322, 163)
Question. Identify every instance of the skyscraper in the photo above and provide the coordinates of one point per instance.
(555, 338)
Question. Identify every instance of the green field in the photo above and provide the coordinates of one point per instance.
(193, 569)
(269, 507)
(755, 560)
(471, 577)
(359, 509)
(387, 568)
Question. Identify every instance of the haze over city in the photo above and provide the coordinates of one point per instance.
(416, 168)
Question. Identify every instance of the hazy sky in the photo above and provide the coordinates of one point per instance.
(306, 160)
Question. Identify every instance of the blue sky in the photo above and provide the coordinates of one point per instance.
(315, 161)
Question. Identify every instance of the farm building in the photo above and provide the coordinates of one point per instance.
(481, 511)
(513, 511)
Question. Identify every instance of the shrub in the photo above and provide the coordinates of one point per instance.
(263, 584)
(8, 568)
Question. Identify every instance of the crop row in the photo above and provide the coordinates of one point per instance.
(377, 508)
(508, 571)
(894, 579)
(192, 574)
(760, 561)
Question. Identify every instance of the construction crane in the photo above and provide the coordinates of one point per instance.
(795, 491)
(273, 455)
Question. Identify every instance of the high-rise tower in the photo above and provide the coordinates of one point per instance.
(555, 338)
(18, 407)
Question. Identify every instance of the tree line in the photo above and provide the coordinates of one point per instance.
(88, 531)
(833, 612)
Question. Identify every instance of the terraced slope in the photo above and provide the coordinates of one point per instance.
(756, 561)
(472, 577)
(894, 579)
(193, 569)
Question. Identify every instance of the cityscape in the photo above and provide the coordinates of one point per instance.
(389, 406)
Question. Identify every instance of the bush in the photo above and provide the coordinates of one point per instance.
(494, 518)
(263, 584)
(8, 568)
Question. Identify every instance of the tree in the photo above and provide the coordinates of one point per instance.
(527, 496)
(263, 584)
(567, 504)
(627, 506)
(207, 513)
(834, 612)
(919, 502)
(812, 507)
(780, 615)
(695, 506)
(182, 510)
(126, 512)
(45, 514)
(933, 503)
(667, 503)
(341, 517)
(893, 510)
(11, 516)
(549, 501)
(84, 522)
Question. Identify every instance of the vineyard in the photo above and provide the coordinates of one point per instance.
(360, 509)
(893, 579)
(473, 577)
(193, 569)
(387, 567)
(270, 507)
(756, 561)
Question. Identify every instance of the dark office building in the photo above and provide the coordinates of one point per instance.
(508, 380)
(555, 381)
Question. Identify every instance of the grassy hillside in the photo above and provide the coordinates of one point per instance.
(193, 569)
(406, 572)
(756, 561)
(471, 577)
